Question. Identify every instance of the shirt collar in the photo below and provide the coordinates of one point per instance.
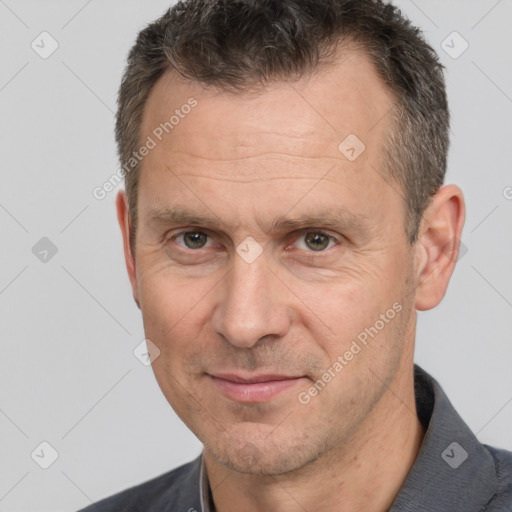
(204, 488)
(453, 470)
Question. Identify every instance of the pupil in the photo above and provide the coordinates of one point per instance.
(194, 240)
(317, 241)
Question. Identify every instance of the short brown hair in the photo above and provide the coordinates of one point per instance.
(236, 45)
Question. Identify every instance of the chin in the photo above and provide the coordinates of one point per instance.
(261, 455)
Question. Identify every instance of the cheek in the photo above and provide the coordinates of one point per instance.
(173, 316)
(358, 306)
(175, 312)
(168, 298)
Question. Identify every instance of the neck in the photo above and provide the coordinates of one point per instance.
(365, 474)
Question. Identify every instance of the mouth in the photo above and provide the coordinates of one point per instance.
(254, 388)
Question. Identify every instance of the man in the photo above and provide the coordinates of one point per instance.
(284, 219)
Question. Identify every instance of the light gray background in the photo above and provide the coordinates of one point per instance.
(67, 372)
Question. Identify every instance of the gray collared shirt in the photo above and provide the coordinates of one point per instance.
(453, 472)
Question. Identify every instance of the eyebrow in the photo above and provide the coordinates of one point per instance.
(336, 218)
(181, 215)
(330, 218)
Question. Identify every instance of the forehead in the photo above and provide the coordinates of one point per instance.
(293, 134)
(325, 107)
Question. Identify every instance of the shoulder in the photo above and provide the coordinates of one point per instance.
(502, 499)
(176, 490)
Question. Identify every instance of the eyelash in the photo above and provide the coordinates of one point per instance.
(301, 235)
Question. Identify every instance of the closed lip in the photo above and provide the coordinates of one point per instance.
(254, 379)
(253, 388)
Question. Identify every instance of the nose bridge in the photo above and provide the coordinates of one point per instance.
(250, 307)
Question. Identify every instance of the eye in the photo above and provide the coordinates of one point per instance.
(192, 239)
(315, 241)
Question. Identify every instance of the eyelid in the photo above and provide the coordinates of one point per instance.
(304, 231)
(175, 232)
(184, 231)
(295, 235)
(299, 234)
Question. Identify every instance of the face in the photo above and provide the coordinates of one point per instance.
(272, 267)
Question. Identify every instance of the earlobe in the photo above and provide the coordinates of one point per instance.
(438, 246)
(123, 217)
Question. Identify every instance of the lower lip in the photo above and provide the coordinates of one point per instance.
(257, 392)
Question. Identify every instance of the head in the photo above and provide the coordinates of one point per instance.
(287, 211)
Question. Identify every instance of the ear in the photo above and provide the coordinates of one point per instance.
(123, 217)
(438, 246)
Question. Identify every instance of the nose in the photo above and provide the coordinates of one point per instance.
(252, 304)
